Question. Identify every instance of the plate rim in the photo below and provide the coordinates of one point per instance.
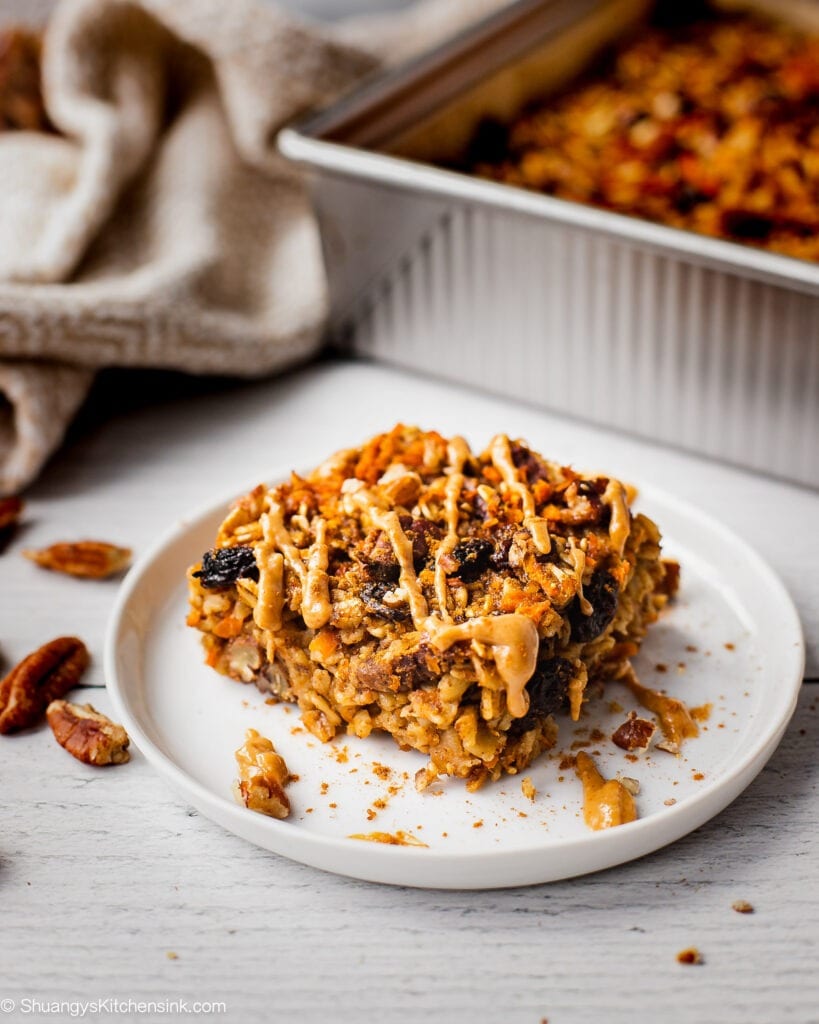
(695, 809)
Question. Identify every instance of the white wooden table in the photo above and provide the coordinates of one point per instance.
(103, 873)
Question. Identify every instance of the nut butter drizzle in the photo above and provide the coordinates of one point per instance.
(676, 722)
(513, 638)
(316, 608)
(457, 454)
(501, 455)
(620, 524)
(606, 803)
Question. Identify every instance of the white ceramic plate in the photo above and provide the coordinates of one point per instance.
(733, 640)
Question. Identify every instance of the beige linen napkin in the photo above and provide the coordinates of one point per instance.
(160, 228)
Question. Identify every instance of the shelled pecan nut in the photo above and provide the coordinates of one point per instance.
(45, 675)
(87, 734)
(89, 559)
(634, 734)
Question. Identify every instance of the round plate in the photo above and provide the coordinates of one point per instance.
(731, 640)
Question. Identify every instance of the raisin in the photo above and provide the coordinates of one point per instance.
(601, 593)
(472, 556)
(372, 594)
(224, 566)
(547, 691)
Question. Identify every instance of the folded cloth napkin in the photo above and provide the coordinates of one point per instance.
(159, 227)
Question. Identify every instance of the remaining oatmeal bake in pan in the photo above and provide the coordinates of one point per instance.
(709, 126)
(452, 600)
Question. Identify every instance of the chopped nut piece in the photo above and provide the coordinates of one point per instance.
(88, 559)
(10, 509)
(632, 785)
(45, 675)
(634, 734)
(86, 734)
(528, 789)
(690, 956)
(263, 775)
(742, 907)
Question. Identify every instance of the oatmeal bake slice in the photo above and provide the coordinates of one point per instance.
(455, 601)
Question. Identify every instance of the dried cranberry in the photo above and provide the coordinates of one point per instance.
(224, 566)
(601, 593)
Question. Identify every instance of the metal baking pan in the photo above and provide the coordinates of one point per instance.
(690, 340)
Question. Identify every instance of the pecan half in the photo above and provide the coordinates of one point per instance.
(262, 777)
(86, 734)
(10, 509)
(89, 559)
(45, 675)
(634, 734)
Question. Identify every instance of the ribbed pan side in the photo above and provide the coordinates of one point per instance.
(589, 325)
